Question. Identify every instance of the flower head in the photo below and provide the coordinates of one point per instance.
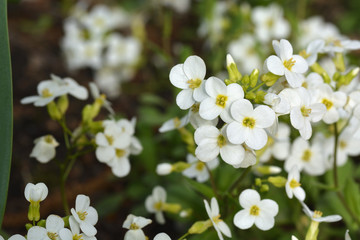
(135, 225)
(44, 149)
(292, 186)
(214, 214)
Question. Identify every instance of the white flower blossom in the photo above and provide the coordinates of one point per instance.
(198, 168)
(74, 232)
(256, 211)
(292, 185)
(317, 215)
(44, 149)
(155, 202)
(36, 193)
(135, 225)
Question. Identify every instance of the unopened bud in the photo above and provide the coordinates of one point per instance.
(258, 182)
(269, 78)
(339, 62)
(254, 76)
(53, 111)
(186, 213)
(163, 169)
(63, 103)
(277, 181)
(171, 207)
(200, 227)
(34, 211)
(267, 170)
(234, 74)
(260, 96)
(264, 188)
(180, 166)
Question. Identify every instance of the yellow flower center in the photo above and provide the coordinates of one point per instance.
(254, 210)
(46, 93)
(177, 122)
(305, 111)
(134, 226)
(99, 22)
(304, 84)
(304, 54)
(306, 155)
(158, 206)
(216, 219)
(221, 100)
(221, 141)
(195, 107)
(294, 184)
(48, 139)
(289, 63)
(110, 139)
(119, 152)
(328, 104)
(89, 51)
(77, 237)
(317, 214)
(338, 43)
(194, 83)
(52, 236)
(82, 215)
(342, 144)
(270, 22)
(249, 122)
(200, 166)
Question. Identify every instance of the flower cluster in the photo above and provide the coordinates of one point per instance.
(91, 40)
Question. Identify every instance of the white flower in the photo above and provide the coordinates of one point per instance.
(342, 45)
(15, 237)
(306, 157)
(73, 232)
(44, 149)
(333, 101)
(162, 236)
(249, 124)
(312, 50)
(286, 64)
(108, 79)
(303, 111)
(260, 212)
(347, 235)
(164, 169)
(244, 50)
(317, 215)
(270, 23)
(135, 225)
(292, 186)
(54, 224)
(155, 202)
(198, 169)
(48, 90)
(174, 123)
(220, 99)
(36, 193)
(214, 214)
(189, 77)
(212, 142)
(70, 86)
(85, 215)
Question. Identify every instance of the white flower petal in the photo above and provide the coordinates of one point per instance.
(243, 219)
(275, 65)
(194, 68)
(248, 198)
(185, 99)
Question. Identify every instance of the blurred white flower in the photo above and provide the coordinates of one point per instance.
(292, 186)
(198, 168)
(36, 193)
(214, 214)
(74, 232)
(317, 215)
(44, 149)
(256, 211)
(155, 203)
(162, 236)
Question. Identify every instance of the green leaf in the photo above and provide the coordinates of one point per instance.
(5, 109)
(352, 196)
(200, 187)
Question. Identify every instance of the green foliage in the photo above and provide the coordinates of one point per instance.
(5, 109)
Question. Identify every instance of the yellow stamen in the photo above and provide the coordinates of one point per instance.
(221, 100)
(200, 166)
(249, 122)
(110, 139)
(134, 226)
(52, 236)
(195, 107)
(119, 152)
(294, 184)
(254, 210)
(221, 141)
(305, 111)
(289, 63)
(158, 206)
(342, 144)
(82, 215)
(46, 93)
(306, 155)
(304, 54)
(328, 104)
(194, 83)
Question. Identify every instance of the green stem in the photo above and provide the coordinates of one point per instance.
(239, 180)
(256, 87)
(351, 212)
(63, 194)
(335, 173)
(184, 236)
(213, 185)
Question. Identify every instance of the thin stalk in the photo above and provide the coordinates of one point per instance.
(335, 173)
(63, 194)
(213, 185)
(184, 236)
(239, 180)
(351, 213)
(256, 87)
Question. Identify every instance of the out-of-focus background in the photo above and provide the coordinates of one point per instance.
(151, 36)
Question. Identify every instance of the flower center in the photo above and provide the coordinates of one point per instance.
(46, 93)
(317, 214)
(89, 51)
(221, 100)
(289, 63)
(221, 141)
(194, 83)
(195, 107)
(306, 155)
(134, 226)
(270, 23)
(110, 139)
(77, 237)
(158, 206)
(305, 111)
(52, 236)
(337, 43)
(342, 144)
(304, 54)
(305, 85)
(82, 215)
(328, 104)
(294, 184)
(99, 22)
(119, 152)
(216, 219)
(254, 210)
(249, 122)
(200, 166)
(48, 139)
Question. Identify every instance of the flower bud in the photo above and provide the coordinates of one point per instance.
(200, 227)
(171, 207)
(264, 188)
(267, 170)
(53, 111)
(339, 62)
(63, 104)
(254, 77)
(269, 78)
(180, 166)
(234, 74)
(277, 181)
(163, 169)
